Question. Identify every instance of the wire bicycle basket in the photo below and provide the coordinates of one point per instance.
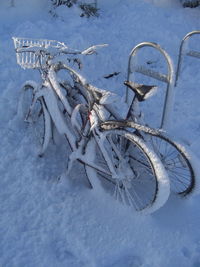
(31, 59)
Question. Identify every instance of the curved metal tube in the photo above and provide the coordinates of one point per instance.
(180, 54)
(170, 75)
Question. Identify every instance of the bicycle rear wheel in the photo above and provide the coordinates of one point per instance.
(131, 172)
(176, 162)
(36, 115)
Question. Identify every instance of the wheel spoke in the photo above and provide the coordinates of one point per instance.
(176, 163)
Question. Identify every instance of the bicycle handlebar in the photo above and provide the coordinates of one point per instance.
(55, 51)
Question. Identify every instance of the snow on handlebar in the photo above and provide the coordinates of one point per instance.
(54, 51)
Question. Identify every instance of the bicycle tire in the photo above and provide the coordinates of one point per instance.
(73, 93)
(71, 88)
(147, 189)
(175, 159)
(36, 116)
(25, 101)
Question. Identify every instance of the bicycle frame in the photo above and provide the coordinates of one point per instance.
(48, 93)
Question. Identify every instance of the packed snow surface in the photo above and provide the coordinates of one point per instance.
(48, 219)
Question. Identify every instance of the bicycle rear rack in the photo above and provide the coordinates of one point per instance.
(165, 78)
(29, 59)
(191, 53)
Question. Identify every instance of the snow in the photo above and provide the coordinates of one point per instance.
(48, 219)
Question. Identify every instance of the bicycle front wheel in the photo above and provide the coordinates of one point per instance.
(176, 162)
(36, 115)
(130, 171)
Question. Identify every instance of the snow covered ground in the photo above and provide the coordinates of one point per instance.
(46, 221)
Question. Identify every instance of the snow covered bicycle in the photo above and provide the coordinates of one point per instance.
(126, 166)
(174, 156)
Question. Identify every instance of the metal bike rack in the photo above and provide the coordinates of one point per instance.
(191, 53)
(165, 78)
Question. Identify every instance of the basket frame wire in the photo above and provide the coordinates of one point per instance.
(30, 59)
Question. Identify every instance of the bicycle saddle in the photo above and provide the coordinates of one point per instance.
(141, 91)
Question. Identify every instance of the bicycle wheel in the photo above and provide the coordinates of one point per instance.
(130, 171)
(25, 101)
(73, 93)
(71, 88)
(176, 162)
(174, 157)
(36, 115)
